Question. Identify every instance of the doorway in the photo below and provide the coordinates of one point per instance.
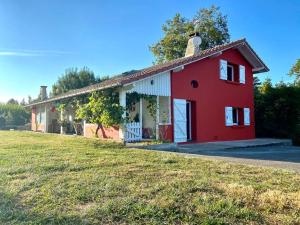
(189, 121)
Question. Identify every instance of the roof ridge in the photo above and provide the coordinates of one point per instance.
(120, 79)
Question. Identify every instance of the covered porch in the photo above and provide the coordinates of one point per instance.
(148, 109)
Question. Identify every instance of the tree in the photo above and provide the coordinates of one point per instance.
(209, 22)
(22, 102)
(295, 71)
(29, 99)
(13, 101)
(73, 79)
(212, 26)
(102, 109)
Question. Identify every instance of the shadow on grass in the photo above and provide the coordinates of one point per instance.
(11, 212)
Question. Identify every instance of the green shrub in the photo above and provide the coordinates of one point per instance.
(296, 135)
(13, 115)
(276, 109)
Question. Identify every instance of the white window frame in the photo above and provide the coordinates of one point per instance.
(242, 74)
(232, 69)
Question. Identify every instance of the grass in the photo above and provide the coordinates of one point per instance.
(52, 179)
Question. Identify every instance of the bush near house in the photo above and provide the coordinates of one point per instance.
(53, 179)
(296, 135)
(276, 109)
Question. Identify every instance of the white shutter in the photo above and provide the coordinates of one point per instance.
(228, 116)
(246, 116)
(180, 131)
(242, 74)
(223, 69)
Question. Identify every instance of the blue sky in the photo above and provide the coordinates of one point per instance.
(39, 39)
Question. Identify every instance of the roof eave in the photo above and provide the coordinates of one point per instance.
(66, 95)
(262, 66)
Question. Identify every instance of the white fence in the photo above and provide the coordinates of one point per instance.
(133, 132)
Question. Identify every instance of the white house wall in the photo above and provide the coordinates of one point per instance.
(159, 84)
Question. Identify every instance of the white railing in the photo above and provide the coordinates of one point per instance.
(133, 132)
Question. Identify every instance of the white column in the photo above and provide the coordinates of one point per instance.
(141, 116)
(61, 119)
(122, 99)
(84, 122)
(157, 118)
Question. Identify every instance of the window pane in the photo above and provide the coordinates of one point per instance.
(234, 116)
(164, 109)
(230, 73)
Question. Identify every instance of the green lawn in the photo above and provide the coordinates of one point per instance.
(50, 179)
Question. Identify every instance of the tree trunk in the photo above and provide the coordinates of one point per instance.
(98, 127)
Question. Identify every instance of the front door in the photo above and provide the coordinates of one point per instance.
(180, 120)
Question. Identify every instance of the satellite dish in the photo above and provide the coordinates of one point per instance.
(197, 41)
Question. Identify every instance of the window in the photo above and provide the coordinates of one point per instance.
(230, 72)
(194, 83)
(164, 110)
(235, 116)
(40, 115)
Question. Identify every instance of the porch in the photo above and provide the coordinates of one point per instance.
(148, 109)
(147, 117)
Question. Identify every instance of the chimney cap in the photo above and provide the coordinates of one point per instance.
(194, 34)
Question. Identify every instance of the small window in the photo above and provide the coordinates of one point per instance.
(152, 82)
(194, 83)
(234, 116)
(230, 72)
(40, 118)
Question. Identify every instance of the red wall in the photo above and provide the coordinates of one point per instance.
(33, 119)
(213, 95)
(103, 133)
(165, 132)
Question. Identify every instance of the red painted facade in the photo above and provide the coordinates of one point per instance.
(208, 101)
(212, 95)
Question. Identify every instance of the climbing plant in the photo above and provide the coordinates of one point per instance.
(62, 121)
(133, 98)
(103, 109)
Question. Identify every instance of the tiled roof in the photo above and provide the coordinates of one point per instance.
(152, 70)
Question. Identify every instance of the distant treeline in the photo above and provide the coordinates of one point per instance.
(13, 115)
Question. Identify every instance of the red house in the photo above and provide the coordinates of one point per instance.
(202, 97)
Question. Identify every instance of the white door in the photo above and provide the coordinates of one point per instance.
(180, 128)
